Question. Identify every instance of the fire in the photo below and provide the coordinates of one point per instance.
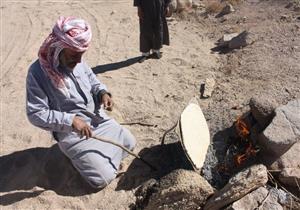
(250, 151)
(243, 131)
(242, 149)
(242, 128)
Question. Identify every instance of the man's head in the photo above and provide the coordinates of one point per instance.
(69, 39)
(69, 58)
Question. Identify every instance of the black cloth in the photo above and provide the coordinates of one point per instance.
(154, 30)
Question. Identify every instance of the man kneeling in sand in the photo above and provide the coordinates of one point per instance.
(65, 97)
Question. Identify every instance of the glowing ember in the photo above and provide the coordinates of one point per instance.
(243, 131)
(250, 152)
(242, 128)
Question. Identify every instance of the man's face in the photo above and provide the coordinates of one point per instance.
(69, 58)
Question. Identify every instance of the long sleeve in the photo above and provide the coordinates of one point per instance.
(97, 86)
(39, 113)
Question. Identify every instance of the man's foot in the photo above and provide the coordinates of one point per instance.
(143, 58)
(157, 55)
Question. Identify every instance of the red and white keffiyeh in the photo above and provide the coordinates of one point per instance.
(70, 32)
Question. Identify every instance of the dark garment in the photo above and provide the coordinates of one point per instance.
(153, 26)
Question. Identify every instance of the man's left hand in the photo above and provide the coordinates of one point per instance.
(107, 102)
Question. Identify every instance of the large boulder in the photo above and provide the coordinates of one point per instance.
(242, 40)
(280, 143)
(238, 186)
(283, 131)
(288, 166)
(257, 199)
(263, 109)
(181, 189)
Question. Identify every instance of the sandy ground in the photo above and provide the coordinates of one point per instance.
(154, 92)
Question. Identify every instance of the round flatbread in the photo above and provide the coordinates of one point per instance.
(195, 137)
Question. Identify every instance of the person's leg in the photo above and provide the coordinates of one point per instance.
(145, 56)
(145, 39)
(156, 53)
(157, 42)
(95, 167)
(98, 161)
(129, 141)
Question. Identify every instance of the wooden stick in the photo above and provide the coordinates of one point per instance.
(124, 148)
(261, 204)
(166, 132)
(138, 123)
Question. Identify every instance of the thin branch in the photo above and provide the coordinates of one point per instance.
(138, 123)
(264, 200)
(124, 148)
(166, 132)
(277, 170)
(297, 183)
(283, 188)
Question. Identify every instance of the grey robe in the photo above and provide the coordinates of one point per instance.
(153, 27)
(51, 110)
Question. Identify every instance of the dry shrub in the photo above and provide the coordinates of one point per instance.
(214, 7)
(233, 2)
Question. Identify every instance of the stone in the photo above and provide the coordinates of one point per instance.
(288, 166)
(257, 199)
(262, 108)
(207, 88)
(251, 200)
(224, 41)
(283, 131)
(180, 189)
(242, 40)
(227, 9)
(271, 203)
(290, 176)
(238, 186)
(184, 5)
(173, 6)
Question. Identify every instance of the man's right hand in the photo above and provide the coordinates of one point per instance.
(81, 127)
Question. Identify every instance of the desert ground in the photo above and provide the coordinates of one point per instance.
(149, 96)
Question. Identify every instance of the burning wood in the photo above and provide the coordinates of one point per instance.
(250, 152)
(242, 128)
(243, 131)
(242, 148)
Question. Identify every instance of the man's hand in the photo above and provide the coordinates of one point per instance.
(81, 127)
(107, 101)
(140, 13)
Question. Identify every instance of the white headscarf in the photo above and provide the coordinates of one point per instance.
(70, 32)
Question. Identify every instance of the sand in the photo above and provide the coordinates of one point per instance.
(34, 175)
(154, 92)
